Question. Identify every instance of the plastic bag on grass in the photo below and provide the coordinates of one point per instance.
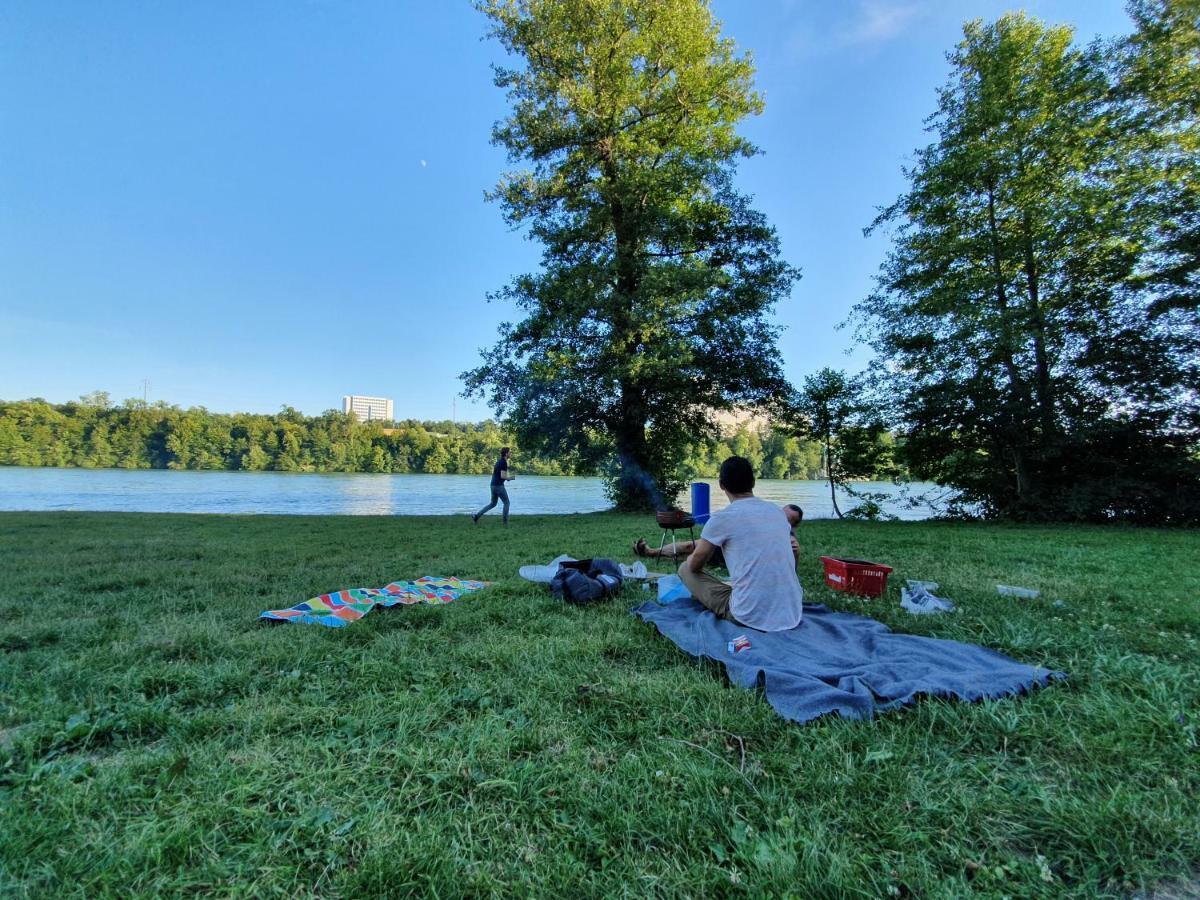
(672, 589)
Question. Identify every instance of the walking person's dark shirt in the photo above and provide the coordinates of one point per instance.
(498, 472)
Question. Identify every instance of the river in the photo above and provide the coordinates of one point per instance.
(157, 490)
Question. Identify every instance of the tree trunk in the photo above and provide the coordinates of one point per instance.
(829, 475)
(1019, 388)
(1042, 384)
(637, 488)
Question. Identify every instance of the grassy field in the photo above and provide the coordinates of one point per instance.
(156, 738)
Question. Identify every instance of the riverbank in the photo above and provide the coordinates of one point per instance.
(156, 738)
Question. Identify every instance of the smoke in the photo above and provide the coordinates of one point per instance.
(631, 480)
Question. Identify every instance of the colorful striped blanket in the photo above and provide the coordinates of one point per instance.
(340, 608)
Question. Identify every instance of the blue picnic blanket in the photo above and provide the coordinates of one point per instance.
(835, 662)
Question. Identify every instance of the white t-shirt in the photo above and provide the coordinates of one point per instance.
(755, 537)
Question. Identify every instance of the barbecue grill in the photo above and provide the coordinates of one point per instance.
(671, 521)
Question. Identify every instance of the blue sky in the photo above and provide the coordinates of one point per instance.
(278, 202)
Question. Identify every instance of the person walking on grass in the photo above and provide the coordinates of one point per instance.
(756, 538)
(499, 491)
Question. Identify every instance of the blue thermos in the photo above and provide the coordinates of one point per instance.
(700, 502)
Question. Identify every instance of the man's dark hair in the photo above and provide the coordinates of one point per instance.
(504, 451)
(737, 475)
(799, 512)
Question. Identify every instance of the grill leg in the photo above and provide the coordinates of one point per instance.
(674, 541)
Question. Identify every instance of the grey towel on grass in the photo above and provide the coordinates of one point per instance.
(843, 663)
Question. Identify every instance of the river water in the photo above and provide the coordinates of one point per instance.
(158, 490)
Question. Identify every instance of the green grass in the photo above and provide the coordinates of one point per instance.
(155, 738)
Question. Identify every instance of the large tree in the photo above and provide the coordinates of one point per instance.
(650, 310)
(1020, 353)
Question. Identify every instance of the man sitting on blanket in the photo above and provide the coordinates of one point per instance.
(760, 551)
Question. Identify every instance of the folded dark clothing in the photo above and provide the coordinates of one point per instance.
(586, 580)
(841, 663)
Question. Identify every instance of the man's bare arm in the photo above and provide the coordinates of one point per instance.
(700, 555)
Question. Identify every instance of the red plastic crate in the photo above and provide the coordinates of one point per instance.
(856, 576)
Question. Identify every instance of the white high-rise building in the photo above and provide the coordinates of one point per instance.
(368, 409)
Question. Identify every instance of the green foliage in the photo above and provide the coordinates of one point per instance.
(156, 741)
(1021, 350)
(834, 412)
(136, 436)
(1158, 81)
(650, 310)
(764, 448)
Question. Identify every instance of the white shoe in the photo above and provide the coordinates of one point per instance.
(920, 602)
(543, 574)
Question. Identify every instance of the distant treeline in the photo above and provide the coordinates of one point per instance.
(95, 433)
